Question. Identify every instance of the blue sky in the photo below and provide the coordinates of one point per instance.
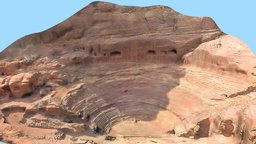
(20, 18)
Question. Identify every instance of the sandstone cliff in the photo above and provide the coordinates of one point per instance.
(119, 74)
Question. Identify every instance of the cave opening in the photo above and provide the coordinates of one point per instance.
(173, 51)
(88, 117)
(115, 53)
(98, 130)
(151, 52)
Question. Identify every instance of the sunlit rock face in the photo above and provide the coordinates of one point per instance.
(119, 74)
(104, 32)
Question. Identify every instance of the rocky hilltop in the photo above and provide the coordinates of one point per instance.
(120, 74)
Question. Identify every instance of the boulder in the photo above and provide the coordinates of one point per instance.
(8, 68)
(21, 84)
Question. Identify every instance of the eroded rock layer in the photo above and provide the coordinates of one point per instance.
(104, 32)
(118, 74)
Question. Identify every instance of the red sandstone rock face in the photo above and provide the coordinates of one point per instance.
(7, 68)
(112, 33)
(225, 54)
(21, 84)
(142, 75)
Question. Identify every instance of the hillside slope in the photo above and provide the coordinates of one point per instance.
(120, 74)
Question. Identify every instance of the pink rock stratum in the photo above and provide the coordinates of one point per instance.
(123, 75)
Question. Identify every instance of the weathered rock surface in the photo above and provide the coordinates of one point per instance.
(21, 84)
(134, 74)
(104, 32)
(225, 54)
